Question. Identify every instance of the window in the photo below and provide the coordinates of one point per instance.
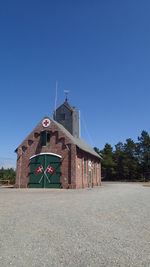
(45, 138)
(94, 168)
(90, 163)
(84, 166)
(61, 116)
(48, 138)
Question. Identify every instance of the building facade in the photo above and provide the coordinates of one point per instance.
(54, 156)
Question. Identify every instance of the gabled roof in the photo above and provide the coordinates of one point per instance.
(77, 141)
(66, 104)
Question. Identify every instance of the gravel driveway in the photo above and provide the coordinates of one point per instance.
(104, 226)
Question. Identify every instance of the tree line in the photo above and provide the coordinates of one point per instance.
(7, 174)
(129, 161)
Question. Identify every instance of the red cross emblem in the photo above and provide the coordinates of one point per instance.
(46, 122)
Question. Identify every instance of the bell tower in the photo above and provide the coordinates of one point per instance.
(68, 117)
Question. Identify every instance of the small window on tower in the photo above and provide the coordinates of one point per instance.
(61, 116)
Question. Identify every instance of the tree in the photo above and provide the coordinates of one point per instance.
(97, 151)
(108, 164)
(131, 160)
(119, 161)
(8, 174)
(144, 152)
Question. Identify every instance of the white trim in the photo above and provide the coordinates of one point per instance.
(47, 153)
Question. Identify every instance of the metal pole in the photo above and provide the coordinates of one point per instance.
(55, 101)
(79, 124)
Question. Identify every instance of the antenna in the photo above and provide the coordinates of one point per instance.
(79, 123)
(66, 92)
(86, 129)
(55, 100)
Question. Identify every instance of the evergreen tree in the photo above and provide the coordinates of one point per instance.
(8, 174)
(97, 151)
(108, 164)
(144, 153)
(131, 160)
(120, 168)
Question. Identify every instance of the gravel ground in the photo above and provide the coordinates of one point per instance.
(104, 226)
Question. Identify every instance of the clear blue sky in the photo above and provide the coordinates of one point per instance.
(98, 49)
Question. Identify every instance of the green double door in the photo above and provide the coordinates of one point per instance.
(45, 171)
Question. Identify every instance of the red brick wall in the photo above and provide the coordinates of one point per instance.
(79, 172)
(72, 167)
(57, 145)
(82, 179)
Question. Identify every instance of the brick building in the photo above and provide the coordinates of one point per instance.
(54, 155)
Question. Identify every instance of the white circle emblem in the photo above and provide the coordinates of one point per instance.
(46, 122)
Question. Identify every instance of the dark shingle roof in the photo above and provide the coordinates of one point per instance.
(77, 141)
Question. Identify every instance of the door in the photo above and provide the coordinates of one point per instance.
(90, 177)
(45, 171)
